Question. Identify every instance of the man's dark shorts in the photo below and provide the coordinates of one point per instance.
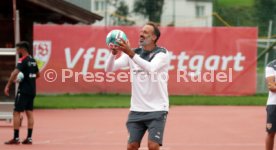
(139, 122)
(23, 102)
(271, 118)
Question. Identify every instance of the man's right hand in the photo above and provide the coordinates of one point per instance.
(7, 91)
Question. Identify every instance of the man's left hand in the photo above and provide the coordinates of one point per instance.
(124, 46)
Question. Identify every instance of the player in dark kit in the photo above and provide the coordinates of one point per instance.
(26, 91)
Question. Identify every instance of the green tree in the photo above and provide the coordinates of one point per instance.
(151, 9)
(265, 11)
(235, 15)
(120, 16)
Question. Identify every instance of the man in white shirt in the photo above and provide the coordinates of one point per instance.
(149, 66)
(270, 74)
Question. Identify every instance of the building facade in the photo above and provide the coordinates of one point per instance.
(187, 13)
(179, 13)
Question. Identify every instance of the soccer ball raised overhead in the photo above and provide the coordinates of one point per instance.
(113, 36)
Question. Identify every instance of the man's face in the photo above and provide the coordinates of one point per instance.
(19, 51)
(147, 36)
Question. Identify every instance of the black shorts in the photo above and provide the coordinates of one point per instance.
(139, 122)
(23, 102)
(271, 118)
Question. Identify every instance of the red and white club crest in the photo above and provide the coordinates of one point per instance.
(42, 52)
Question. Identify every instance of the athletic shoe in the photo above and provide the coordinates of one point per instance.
(28, 141)
(13, 141)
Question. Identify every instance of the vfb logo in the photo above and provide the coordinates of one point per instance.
(42, 53)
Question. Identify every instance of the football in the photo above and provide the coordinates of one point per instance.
(20, 77)
(113, 36)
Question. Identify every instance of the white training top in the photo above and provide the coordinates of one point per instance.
(149, 73)
(270, 70)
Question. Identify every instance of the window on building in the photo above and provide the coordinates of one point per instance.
(200, 11)
(99, 5)
(96, 5)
